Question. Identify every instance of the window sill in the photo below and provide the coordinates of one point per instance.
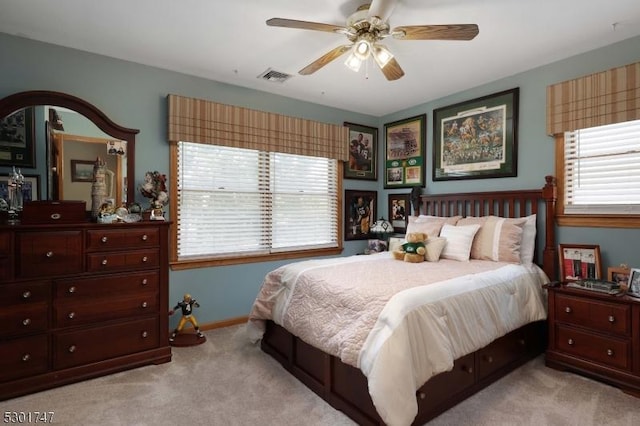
(599, 221)
(211, 262)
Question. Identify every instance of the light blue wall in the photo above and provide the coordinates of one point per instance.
(134, 96)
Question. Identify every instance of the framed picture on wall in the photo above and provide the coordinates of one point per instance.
(404, 165)
(363, 153)
(360, 214)
(82, 170)
(17, 146)
(399, 211)
(477, 138)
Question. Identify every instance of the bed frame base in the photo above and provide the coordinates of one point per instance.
(345, 387)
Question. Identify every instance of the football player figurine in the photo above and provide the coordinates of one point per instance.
(186, 305)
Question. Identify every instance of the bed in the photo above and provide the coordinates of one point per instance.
(388, 342)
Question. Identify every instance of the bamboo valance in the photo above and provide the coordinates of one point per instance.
(201, 121)
(607, 97)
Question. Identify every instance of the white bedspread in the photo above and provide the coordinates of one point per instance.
(399, 323)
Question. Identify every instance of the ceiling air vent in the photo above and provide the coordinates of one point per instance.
(275, 76)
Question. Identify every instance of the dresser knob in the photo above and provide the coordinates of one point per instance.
(72, 349)
(422, 395)
(567, 309)
(522, 342)
(610, 352)
(26, 321)
(145, 334)
(144, 237)
(489, 359)
(467, 369)
(26, 294)
(104, 239)
(26, 357)
(144, 281)
(570, 341)
(144, 304)
(72, 289)
(612, 318)
(71, 315)
(104, 261)
(144, 259)
(49, 254)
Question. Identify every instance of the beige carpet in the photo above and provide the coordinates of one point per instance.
(228, 381)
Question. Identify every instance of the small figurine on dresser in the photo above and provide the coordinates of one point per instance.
(186, 305)
(155, 188)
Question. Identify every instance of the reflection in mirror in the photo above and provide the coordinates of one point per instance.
(66, 129)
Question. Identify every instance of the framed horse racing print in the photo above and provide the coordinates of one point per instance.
(363, 152)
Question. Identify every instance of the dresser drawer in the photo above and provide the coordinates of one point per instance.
(100, 343)
(24, 357)
(595, 314)
(24, 319)
(113, 284)
(70, 313)
(609, 351)
(117, 261)
(24, 293)
(49, 253)
(118, 239)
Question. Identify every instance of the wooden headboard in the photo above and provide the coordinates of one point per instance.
(512, 204)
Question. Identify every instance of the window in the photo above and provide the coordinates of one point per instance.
(235, 202)
(599, 168)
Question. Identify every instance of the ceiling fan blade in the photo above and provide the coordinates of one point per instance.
(392, 71)
(324, 59)
(305, 25)
(436, 32)
(382, 9)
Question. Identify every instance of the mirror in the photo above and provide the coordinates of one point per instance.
(73, 133)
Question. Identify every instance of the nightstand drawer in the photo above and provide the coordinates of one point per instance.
(591, 313)
(609, 351)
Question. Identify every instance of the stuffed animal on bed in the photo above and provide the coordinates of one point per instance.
(413, 250)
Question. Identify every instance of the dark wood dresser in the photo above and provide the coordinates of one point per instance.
(595, 334)
(79, 301)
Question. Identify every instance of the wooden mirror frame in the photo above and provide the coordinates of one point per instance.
(17, 101)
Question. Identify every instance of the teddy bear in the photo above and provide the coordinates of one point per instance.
(413, 250)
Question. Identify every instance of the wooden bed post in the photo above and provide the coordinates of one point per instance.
(549, 255)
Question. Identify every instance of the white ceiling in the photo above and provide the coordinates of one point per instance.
(228, 41)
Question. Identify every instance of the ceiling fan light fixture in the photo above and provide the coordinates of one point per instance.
(362, 49)
(353, 62)
(382, 55)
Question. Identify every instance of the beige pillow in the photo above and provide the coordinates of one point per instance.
(528, 245)
(434, 247)
(498, 239)
(430, 225)
(459, 240)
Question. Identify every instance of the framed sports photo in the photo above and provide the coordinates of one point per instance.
(360, 214)
(363, 153)
(579, 262)
(404, 165)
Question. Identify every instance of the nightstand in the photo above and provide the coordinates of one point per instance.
(595, 334)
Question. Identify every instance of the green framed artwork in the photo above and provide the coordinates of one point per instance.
(477, 139)
(405, 152)
(17, 139)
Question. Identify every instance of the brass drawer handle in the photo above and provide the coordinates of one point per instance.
(570, 342)
(26, 321)
(144, 259)
(144, 304)
(104, 261)
(567, 309)
(145, 334)
(49, 254)
(71, 315)
(72, 349)
(26, 357)
(104, 239)
(72, 289)
(26, 294)
(612, 319)
(144, 237)
(610, 352)
(144, 281)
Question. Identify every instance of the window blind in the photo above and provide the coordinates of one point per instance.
(601, 169)
(234, 201)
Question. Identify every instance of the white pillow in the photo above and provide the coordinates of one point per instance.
(528, 244)
(429, 225)
(459, 240)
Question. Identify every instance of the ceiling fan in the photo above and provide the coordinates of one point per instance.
(366, 28)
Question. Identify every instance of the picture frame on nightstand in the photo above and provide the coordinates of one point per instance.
(634, 282)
